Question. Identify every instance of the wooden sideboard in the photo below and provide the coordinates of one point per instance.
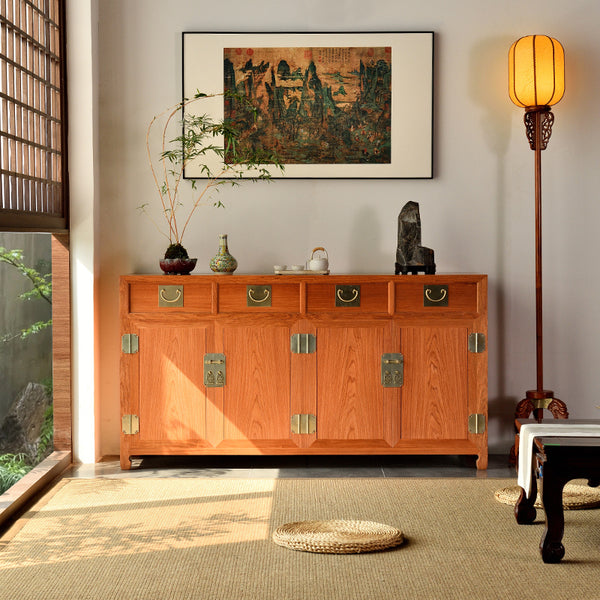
(303, 364)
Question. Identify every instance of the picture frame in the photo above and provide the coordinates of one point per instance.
(330, 105)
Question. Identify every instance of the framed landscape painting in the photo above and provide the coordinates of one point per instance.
(329, 105)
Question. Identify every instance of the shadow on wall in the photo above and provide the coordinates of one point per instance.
(374, 259)
(488, 87)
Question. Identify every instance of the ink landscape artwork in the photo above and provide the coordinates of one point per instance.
(344, 105)
(314, 105)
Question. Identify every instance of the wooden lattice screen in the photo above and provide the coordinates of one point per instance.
(32, 109)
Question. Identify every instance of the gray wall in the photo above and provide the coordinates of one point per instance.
(29, 360)
(477, 213)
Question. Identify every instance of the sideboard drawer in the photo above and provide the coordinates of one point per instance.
(170, 296)
(332, 297)
(267, 297)
(418, 296)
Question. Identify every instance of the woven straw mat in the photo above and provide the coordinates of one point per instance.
(337, 536)
(575, 496)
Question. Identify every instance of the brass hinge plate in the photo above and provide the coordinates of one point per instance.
(130, 424)
(392, 370)
(303, 343)
(304, 424)
(130, 343)
(214, 370)
(477, 423)
(476, 343)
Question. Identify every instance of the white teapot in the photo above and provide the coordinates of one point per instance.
(318, 263)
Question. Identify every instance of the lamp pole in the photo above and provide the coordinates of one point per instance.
(538, 125)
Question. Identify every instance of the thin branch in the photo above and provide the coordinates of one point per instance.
(192, 147)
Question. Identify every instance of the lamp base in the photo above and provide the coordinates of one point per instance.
(535, 402)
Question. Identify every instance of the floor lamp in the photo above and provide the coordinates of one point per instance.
(536, 68)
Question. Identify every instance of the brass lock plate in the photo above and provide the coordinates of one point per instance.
(170, 296)
(258, 295)
(214, 370)
(347, 295)
(392, 370)
(435, 295)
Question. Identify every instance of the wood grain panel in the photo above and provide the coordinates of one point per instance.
(303, 393)
(478, 379)
(435, 392)
(172, 393)
(350, 395)
(256, 401)
(61, 342)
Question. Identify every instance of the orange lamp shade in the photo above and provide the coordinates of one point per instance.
(536, 71)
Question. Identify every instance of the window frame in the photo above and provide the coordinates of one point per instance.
(28, 220)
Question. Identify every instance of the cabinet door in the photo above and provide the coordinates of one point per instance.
(353, 406)
(435, 391)
(256, 396)
(172, 396)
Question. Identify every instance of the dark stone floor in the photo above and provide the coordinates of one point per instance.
(298, 467)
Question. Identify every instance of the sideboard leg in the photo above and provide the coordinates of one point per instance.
(125, 462)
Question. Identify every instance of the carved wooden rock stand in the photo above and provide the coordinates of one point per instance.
(307, 364)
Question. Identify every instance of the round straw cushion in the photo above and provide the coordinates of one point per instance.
(337, 536)
(575, 496)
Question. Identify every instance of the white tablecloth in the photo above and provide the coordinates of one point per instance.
(530, 431)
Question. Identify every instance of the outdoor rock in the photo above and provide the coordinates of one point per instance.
(21, 428)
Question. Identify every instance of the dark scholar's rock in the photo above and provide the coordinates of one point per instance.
(411, 257)
(21, 428)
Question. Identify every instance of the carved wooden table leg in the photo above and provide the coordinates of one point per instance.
(524, 508)
(551, 489)
(558, 460)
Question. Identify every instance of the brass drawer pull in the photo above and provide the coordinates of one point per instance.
(440, 299)
(435, 295)
(177, 296)
(353, 299)
(251, 296)
(170, 295)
